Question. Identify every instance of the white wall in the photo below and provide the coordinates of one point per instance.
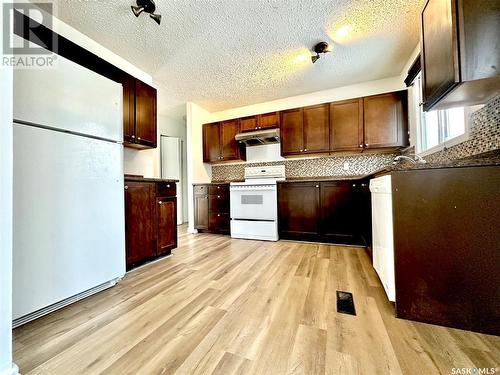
(6, 365)
(197, 172)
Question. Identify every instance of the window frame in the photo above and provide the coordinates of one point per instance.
(419, 121)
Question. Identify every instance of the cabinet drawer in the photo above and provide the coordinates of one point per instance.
(201, 189)
(166, 189)
(218, 223)
(219, 189)
(219, 203)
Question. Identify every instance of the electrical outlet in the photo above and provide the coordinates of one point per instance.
(346, 166)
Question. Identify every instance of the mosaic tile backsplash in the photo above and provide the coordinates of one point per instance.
(317, 167)
(484, 135)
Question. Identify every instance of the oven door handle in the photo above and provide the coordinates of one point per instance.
(267, 220)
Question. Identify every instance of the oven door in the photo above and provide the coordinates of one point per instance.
(257, 202)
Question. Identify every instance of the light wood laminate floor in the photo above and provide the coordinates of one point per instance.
(224, 306)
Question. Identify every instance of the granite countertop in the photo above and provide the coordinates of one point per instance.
(323, 178)
(486, 159)
(147, 179)
(490, 158)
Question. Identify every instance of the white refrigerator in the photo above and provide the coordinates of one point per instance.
(69, 229)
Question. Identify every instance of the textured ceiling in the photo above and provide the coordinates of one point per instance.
(229, 53)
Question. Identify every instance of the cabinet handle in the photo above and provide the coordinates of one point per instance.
(305, 150)
(301, 150)
(218, 215)
(218, 187)
(168, 186)
(317, 186)
(366, 145)
(222, 157)
(363, 185)
(353, 185)
(138, 138)
(160, 202)
(218, 196)
(132, 136)
(361, 146)
(126, 187)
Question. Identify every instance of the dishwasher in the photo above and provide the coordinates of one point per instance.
(383, 239)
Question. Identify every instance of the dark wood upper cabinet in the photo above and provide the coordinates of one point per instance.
(139, 114)
(385, 120)
(298, 210)
(346, 125)
(201, 207)
(248, 123)
(211, 142)
(460, 52)
(128, 110)
(166, 215)
(219, 143)
(145, 114)
(140, 221)
(229, 146)
(316, 129)
(258, 122)
(292, 132)
(269, 120)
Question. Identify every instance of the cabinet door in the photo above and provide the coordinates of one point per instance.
(166, 220)
(346, 125)
(229, 145)
(292, 132)
(439, 50)
(219, 223)
(385, 120)
(145, 114)
(316, 129)
(269, 120)
(219, 203)
(298, 210)
(339, 211)
(211, 142)
(140, 221)
(128, 109)
(248, 123)
(201, 211)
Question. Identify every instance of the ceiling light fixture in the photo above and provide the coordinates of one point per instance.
(321, 47)
(147, 6)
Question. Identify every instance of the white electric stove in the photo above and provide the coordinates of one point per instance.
(254, 203)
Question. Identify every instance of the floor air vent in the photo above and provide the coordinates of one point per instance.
(345, 303)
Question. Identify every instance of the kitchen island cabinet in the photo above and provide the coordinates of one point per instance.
(446, 246)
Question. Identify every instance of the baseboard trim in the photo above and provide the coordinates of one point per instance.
(13, 370)
(59, 305)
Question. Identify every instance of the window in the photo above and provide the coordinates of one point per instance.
(439, 128)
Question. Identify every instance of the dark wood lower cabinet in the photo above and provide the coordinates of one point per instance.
(211, 208)
(166, 213)
(150, 220)
(298, 210)
(140, 230)
(333, 211)
(447, 247)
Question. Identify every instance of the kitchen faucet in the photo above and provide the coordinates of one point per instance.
(415, 159)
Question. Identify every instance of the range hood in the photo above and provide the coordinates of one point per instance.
(259, 137)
